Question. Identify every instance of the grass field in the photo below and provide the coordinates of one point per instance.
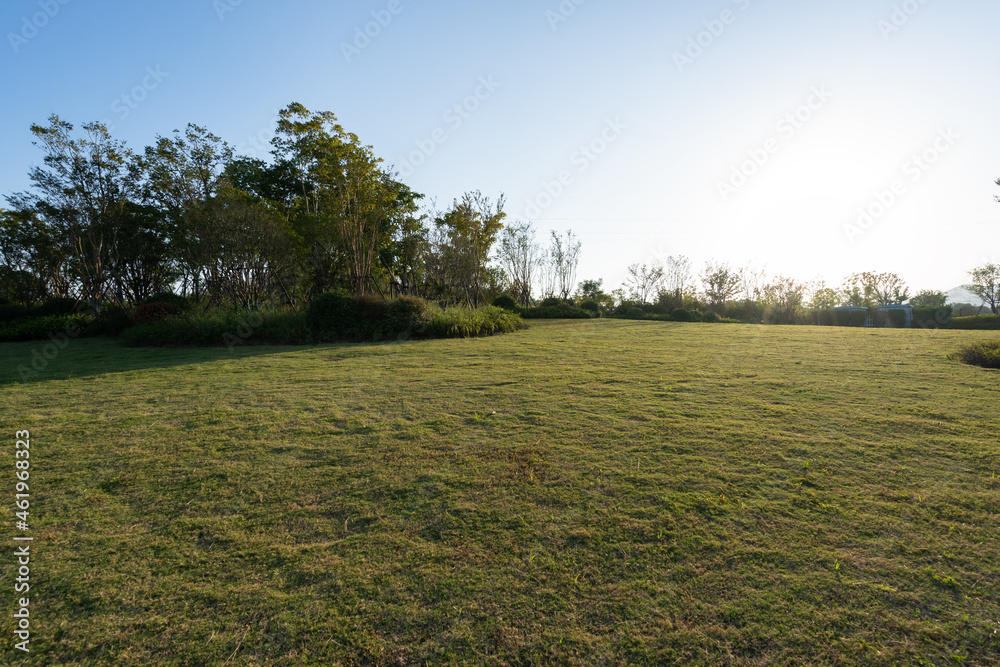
(584, 492)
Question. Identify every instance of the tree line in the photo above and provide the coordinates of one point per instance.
(102, 223)
(105, 224)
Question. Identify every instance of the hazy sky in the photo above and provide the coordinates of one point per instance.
(752, 131)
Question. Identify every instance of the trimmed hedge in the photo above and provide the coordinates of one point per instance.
(985, 354)
(40, 328)
(977, 323)
(222, 328)
(683, 315)
(562, 311)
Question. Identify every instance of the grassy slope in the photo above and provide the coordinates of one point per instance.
(581, 492)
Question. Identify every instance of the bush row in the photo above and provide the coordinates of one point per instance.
(335, 316)
(40, 328)
(977, 323)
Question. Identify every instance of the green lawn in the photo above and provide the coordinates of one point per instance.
(583, 492)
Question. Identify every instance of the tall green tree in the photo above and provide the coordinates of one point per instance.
(80, 195)
(470, 229)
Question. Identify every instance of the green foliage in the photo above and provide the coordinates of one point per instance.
(469, 323)
(591, 306)
(506, 302)
(550, 302)
(840, 317)
(562, 311)
(405, 315)
(634, 313)
(977, 323)
(985, 354)
(56, 306)
(154, 312)
(931, 317)
(711, 317)
(15, 312)
(112, 321)
(929, 299)
(683, 315)
(333, 315)
(39, 328)
(169, 297)
(894, 318)
(217, 328)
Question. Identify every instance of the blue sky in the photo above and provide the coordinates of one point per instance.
(751, 131)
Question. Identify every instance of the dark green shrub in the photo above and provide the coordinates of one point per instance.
(168, 297)
(405, 315)
(13, 312)
(506, 302)
(711, 317)
(333, 315)
(56, 305)
(222, 328)
(154, 312)
(682, 315)
(372, 312)
(634, 313)
(560, 312)
(985, 354)
(892, 317)
(977, 323)
(932, 317)
(849, 317)
(551, 302)
(40, 328)
(112, 321)
(285, 327)
(591, 306)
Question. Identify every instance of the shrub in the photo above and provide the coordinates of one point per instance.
(13, 312)
(682, 315)
(892, 317)
(560, 312)
(56, 306)
(592, 307)
(405, 315)
(372, 312)
(155, 312)
(333, 315)
(39, 328)
(931, 317)
(977, 323)
(711, 317)
(465, 323)
(634, 313)
(168, 297)
(551, 302)
(985, 354)
(222, 328)
(506, 302)
(840, 317)
(112, 321)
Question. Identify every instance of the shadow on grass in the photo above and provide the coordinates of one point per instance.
(42, 361)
